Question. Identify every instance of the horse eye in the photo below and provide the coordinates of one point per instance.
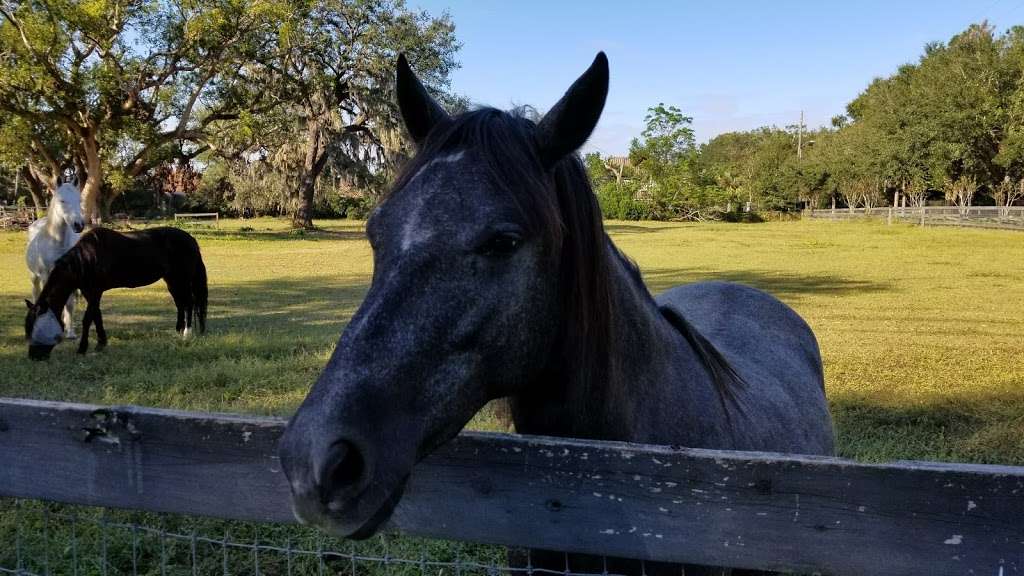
(501, 244)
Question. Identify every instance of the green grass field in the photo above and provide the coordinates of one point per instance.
(921, 330)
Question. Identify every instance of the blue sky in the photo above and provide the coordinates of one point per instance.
(730, 65)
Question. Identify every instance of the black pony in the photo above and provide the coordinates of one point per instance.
(104, 259)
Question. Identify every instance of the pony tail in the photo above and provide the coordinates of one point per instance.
(200, 294)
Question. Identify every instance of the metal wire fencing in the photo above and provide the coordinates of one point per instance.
(43, 539)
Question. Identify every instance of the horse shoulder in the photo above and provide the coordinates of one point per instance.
(37, 248)
(36, 227)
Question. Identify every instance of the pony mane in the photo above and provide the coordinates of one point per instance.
(64, 278)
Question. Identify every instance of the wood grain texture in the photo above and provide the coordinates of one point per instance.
(739, 509)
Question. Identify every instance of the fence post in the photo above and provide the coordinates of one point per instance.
(888, 218)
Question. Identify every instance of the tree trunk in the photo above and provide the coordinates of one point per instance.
(36, 188)
(312, 166)
(91, 190)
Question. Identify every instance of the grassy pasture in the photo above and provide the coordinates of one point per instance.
(921, 330)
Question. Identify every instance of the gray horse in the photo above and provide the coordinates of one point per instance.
(493, 277)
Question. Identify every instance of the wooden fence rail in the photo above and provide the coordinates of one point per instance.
(754, 510)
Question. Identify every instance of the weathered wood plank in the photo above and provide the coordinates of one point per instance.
(728, 508)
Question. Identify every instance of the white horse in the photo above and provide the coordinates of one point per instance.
(50, 237)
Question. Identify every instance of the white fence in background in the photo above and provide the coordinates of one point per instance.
(1009, 217)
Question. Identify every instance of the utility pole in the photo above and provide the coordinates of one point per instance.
(800, 138)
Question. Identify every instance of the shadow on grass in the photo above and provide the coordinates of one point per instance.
(626, 229)
(981, 428)
(317, 234)
(265, 343)
(284, 305)
(781, 285)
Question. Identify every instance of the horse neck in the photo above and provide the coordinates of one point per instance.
(59, 286)
(652, 366)
(649, 365)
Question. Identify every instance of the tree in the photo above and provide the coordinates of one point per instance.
(334, 72)
(1007, 193)
(19, 140)
(961, 192)
(667, 140)
(916, 191)
(122, 84)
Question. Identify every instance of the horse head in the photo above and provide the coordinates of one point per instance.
(66, 206)
(469, 290)
(44, 329)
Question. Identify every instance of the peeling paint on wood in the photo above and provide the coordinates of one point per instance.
(753, 510)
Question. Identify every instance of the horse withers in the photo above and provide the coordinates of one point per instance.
(494, 277)
(104, 259)
(50, 237)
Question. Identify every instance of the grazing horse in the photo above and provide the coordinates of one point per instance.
(105, 259)
(50, 237)
(493, 277)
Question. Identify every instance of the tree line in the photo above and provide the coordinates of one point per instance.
(286, 107)
(263, 98)
(948, 128)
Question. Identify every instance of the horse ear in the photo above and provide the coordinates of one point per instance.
(420, 111)
(570, 121)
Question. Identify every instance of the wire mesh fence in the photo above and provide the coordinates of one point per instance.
(43, 539)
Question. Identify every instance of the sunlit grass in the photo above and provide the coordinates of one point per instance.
(921, 330)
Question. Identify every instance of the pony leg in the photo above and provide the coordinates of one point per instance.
(189, 315)
(83, 344)
(179, 326)
(101, 333)
(37, 287)
(182, 301)
(69, 317)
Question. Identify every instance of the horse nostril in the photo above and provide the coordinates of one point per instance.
(343, 469)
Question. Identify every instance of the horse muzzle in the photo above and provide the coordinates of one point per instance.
(39, 351)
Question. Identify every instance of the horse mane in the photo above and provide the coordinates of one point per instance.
(52, 225)
(724, 376)
(69, 268)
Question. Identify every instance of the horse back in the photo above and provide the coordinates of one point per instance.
(782, 398)
(142, 257)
